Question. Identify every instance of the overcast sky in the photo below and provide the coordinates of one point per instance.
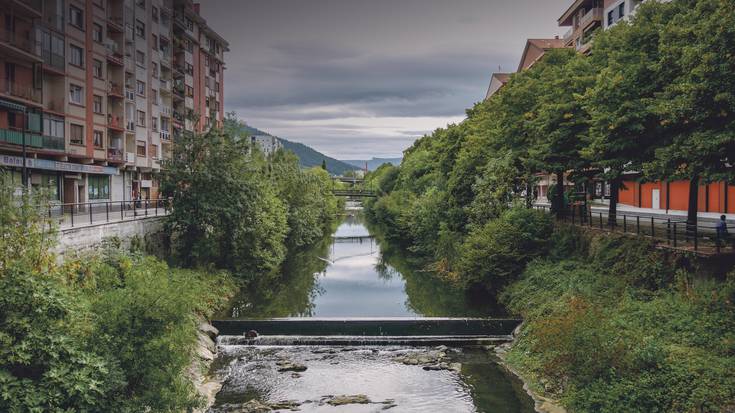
(362, 78)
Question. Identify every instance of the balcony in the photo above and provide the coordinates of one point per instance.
(115, 155)
(130, 126)
(115, 90)
(568, 35)
(113, 53)
(116, 23)
(129, 157)
(22, 91)
(54, 21)
(115, 123)
(23, 44)
(165, 85)
(34, 140)
(165, 136)
(53, 61)
(129, 94)
(32, 7)
(594, 15)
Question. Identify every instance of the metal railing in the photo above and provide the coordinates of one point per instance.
(22, 90)
(81, 214)
(24, 41)
(670, 232)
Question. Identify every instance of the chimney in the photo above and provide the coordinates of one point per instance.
(196, 8)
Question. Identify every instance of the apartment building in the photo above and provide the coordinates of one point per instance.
(268, 144)
(91, 86)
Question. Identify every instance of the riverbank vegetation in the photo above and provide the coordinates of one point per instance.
(612, 324)
(236, 209)
(112, 331)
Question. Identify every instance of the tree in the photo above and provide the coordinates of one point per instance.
(623, 128)
(697, 106)
(560, 121)
(225, 209)
(324, 164)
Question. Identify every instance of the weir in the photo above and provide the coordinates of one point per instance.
(367, 331)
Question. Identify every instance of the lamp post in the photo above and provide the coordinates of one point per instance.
(24, 172)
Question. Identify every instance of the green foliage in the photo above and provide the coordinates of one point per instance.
(495, 254)
(608, 336)
(238, 211)
(107, 332)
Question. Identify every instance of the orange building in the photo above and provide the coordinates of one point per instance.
(674, 196)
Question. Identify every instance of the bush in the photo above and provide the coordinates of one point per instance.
(496, 254)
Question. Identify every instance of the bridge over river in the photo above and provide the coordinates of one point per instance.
(354, 317)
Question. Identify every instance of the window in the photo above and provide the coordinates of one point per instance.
(154, 14)
(76, 134)
(76, 17)
(189, 23)
(140, 3)
(141, 118)
(154, 126)
(53, 126)
(206, 61)
(189, 69)
(216, 86)
(141, 148)
(621, 10)
(189, 46)
(98, 187)
(610, 18)
(189, 91)
(97, 104)
(154, 151)
(154, 96)
(76, 55)
(98, 139)
(154, 40)
(154, 70)
(140, 29)
(140, 88)
(76, 94)
(97, 69)
(140, 58)
(97, 33)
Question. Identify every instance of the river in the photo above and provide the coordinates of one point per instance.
(352, 274)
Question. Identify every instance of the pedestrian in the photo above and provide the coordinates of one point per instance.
(723, 236)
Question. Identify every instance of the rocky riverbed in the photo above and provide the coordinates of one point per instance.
(354, 379)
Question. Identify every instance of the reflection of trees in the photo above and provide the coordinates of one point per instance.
(290, 293)
(428, 295)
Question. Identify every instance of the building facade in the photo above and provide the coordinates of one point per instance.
(91, 86)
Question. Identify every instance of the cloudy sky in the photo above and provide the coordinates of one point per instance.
(362, 78)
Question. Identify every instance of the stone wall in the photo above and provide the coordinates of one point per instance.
(149, 231)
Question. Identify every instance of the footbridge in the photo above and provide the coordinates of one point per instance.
(367, 331)
(355, 193)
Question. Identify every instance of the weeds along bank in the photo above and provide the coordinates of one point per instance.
(116, 331)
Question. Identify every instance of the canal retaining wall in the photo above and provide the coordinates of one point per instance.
(148, 231)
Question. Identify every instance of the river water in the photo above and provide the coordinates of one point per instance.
(351, 274)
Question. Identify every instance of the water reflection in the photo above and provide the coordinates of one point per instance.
(353, 274)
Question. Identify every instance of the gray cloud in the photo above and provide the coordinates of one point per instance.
(365, 78)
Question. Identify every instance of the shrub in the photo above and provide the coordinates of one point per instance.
(496, 254)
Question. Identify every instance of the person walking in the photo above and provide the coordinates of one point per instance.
(723, 235)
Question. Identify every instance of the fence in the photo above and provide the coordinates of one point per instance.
(70, 215)
(672, 232)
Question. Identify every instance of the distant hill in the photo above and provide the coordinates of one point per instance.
(374, 163)
(308, 157)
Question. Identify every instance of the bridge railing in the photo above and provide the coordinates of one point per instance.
(79, 214)
(669, 232)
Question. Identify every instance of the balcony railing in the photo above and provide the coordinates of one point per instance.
(115, 122)
(595, 14)
(115, 154)
(568, 35)
(165, 136)
(22, 90)
(25, 42)
(114, 89)
(34, 140)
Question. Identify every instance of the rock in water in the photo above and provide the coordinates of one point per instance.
(251, 334)
(343, 400)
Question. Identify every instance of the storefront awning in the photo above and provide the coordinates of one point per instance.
(11, 106)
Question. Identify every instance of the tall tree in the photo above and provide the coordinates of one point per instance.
(697, 106)
(623, 128)
(560, 122)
